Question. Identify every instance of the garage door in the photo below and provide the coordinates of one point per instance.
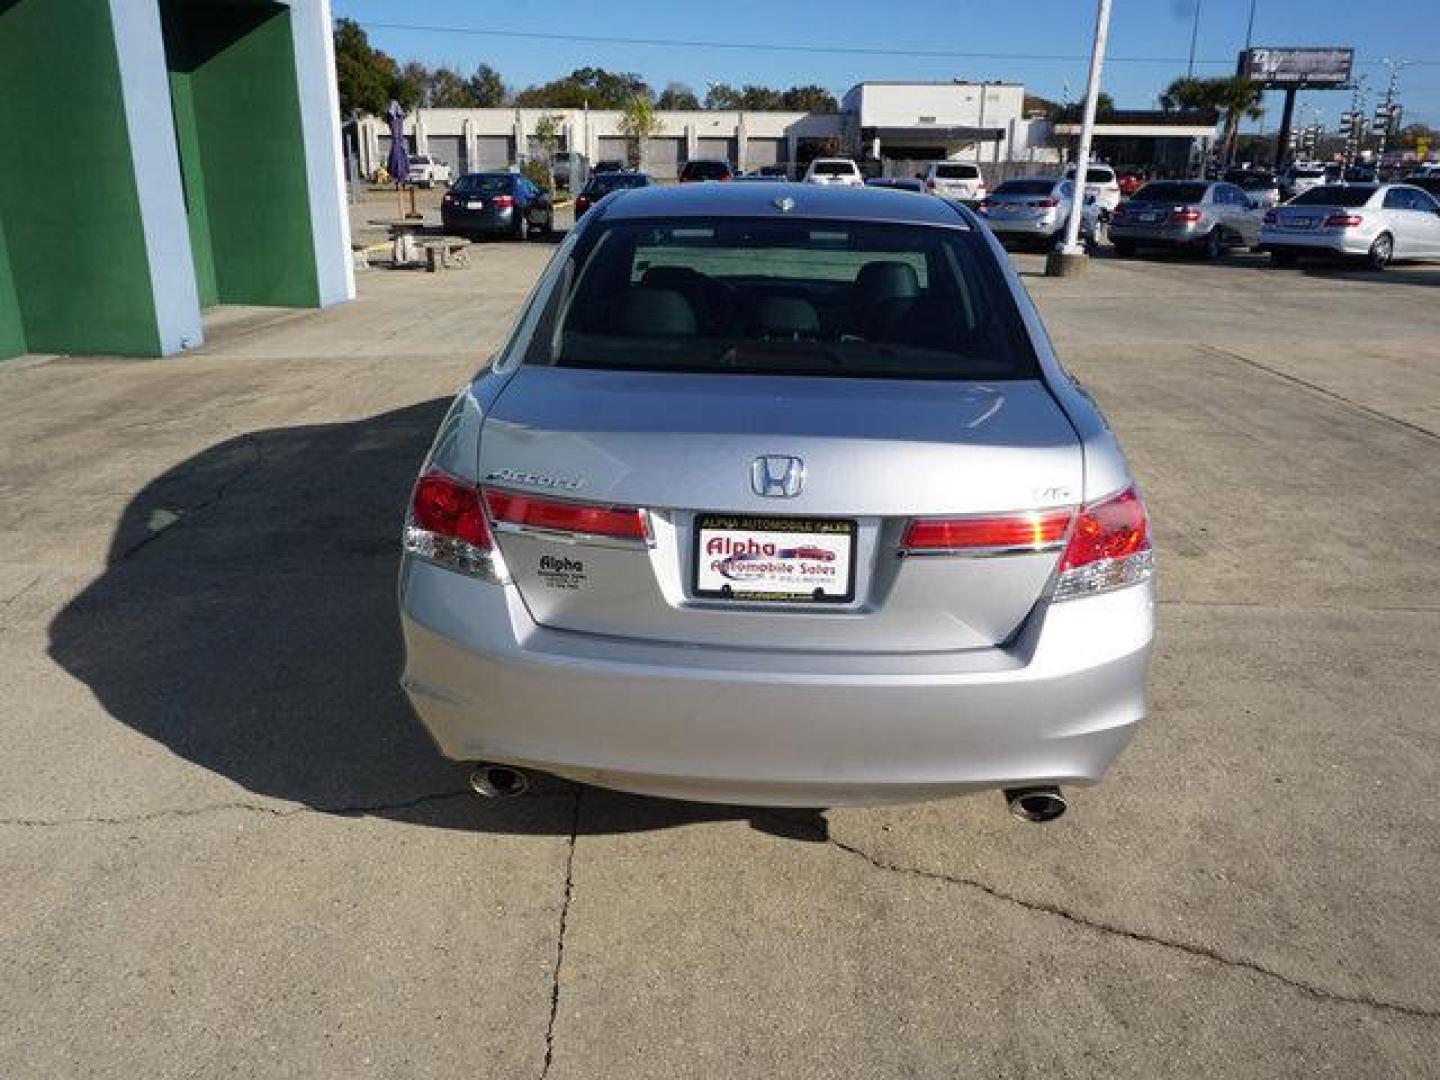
(724, 149)
(449, 149)
(492, 152)
(662, 157)
(762, 152)
(613, 148)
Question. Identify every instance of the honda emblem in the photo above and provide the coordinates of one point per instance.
(777, 477)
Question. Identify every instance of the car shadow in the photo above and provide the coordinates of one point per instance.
(246, 621)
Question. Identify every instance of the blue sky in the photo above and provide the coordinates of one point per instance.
(1149, 41)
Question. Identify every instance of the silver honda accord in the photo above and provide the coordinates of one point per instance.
(778, 495)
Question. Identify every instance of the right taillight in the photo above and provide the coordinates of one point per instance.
(446, 525)
(1109, 548)
(1344, 221)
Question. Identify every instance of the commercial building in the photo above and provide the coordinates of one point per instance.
(877, 122)
(1160, 143)
(177, 154)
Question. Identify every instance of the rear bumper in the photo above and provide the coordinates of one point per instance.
(1157, 235)
(773, 727)
(491, 221)
(1318, 242)
(1016, 227)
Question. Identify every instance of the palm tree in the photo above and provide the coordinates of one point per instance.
(1234, 96)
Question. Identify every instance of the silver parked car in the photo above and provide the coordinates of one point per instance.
(1037, 208)
(778, 495)
(1373, 222)
(1205, 216)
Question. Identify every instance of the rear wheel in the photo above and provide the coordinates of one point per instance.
(1213, 246)
(521, 229)
(1381, 252)
(1282, 258)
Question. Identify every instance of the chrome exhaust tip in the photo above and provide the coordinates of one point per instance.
(498, 781)
(1036, 803)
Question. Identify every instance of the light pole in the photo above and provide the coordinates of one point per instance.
(1194, 33)
(1070, 258)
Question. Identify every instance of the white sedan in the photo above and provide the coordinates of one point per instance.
(1374, 222)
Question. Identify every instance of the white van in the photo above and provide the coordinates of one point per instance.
(1100, 181)
(955, 180)
(834, 171)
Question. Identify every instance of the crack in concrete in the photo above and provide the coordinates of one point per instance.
(560, 936)
(1377, 414)
(185, 512)
(1199, 952)
(239, 804)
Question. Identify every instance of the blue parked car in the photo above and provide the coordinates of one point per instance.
(496, 204)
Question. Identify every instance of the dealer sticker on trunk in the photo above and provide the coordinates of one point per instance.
(791, 559)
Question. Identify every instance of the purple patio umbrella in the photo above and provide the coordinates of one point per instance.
(398, 163)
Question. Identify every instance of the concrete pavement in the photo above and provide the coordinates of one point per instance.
(225, 848)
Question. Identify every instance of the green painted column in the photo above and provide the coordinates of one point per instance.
(12, 332)
(70, 210)
(237, 110)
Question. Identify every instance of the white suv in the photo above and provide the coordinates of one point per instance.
(955, 180)
(1100, 181)
(834, 171)
(428, 171)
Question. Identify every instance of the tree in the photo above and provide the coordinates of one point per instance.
(677, 95)
(761, 99)
(1075, 111)
(722, 96)
(547, 133)
(1233, 96)
(365, 76)
(596, 87)
(811, 98)
(447, 89)
(488, 88)
(638, 123)
(411, 86)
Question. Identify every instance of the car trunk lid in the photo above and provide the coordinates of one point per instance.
(875, 453)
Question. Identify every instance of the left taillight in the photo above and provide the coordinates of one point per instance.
(581, 520)
(446, 525)
(1109, 548)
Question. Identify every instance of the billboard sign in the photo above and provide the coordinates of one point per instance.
(1286, 68)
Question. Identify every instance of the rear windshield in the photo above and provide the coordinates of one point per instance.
(608, 182)
(834, 168)
(1170, 192)
(1334, 195)
(705, 170)
(483, 183)
(1025, 187)
(786, 297)
(956, 172)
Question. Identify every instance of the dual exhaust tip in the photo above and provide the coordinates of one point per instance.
(498, 781)
(1035, 804)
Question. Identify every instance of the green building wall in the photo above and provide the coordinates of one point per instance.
(237, 118)
(12, 333)
(72, 227)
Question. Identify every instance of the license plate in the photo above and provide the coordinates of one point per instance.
(475, 204)
(785, 559)
(1151, 216)
(1300, 222)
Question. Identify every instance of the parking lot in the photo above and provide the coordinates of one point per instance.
(226, 848)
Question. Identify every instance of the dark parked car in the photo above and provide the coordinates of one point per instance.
(602, 184)
(693, 172)
(610, 165)
(496, 204)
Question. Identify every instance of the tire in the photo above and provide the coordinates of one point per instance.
(1123, 248)
(521, 229)
(1213, 246)
(1283, 258)
(1381, 252)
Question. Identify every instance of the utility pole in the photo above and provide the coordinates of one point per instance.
(1070, 259)
(1194, 33)
(1250, 26)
